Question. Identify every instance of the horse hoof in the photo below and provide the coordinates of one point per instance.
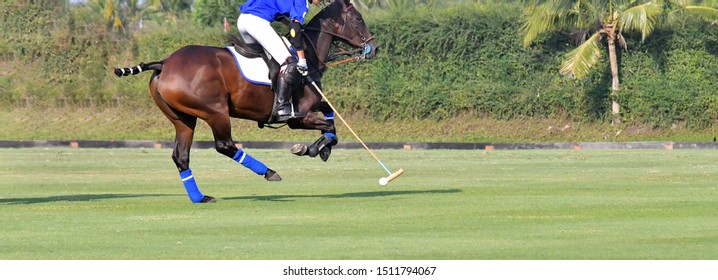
(272, 176)
(208, 199)
(325, 153)
(299, 149)
(312, 151)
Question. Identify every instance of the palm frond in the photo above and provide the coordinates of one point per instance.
(643, 18)
(588, 12)
(108, 11)
(154, 5)
(708, 13)
(545, 16)
(681, 3)
(579, 61)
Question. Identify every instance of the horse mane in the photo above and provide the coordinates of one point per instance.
(328, 8)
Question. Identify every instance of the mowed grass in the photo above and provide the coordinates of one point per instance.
(449, 204)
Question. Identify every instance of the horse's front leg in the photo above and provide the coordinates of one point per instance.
(323, 145)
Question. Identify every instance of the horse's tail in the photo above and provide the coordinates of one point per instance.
(157, 66)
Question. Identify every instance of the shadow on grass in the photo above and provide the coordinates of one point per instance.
(287, 198)
(73, 198)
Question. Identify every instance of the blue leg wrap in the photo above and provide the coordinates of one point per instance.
(191, 186)
(331, 136)
(249, 162)
(329, 117)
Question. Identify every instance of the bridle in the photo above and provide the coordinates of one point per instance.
(362, 51)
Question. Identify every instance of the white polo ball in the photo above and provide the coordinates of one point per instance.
(383, 181)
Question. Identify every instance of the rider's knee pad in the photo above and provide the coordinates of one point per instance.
(289, 71)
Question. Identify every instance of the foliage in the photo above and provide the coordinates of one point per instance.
(589, 22)
(676, 85)
(128, 16)
(64, 56)
(583, 18)
(593, 21)
(369, 5)
(434, 63)
(213, 12)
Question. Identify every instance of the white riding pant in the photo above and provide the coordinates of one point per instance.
(254, 29)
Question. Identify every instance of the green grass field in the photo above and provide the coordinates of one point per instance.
(529, 204)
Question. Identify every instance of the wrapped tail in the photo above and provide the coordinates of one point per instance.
(157, 66)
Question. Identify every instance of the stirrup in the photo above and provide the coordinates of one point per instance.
(295, 115)
(287, 112)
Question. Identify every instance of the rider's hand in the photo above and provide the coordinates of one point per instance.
(302, 67)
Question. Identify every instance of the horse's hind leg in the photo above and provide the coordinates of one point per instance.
(184, 129)
(223, 143)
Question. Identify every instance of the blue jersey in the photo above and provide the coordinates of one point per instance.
(274, 10)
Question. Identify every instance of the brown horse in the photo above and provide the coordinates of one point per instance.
(204, 82)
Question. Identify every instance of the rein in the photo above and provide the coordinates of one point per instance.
(334, 56)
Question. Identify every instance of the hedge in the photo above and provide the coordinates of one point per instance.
(433, 63)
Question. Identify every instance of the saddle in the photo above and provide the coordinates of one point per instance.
(247, 50)
(254, 52)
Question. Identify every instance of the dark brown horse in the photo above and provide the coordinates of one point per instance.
(204, 82)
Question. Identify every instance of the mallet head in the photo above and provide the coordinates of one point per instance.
(385, 180)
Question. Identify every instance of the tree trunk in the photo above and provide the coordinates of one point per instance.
(615, 107)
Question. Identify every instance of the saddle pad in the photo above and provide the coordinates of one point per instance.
(254, 70)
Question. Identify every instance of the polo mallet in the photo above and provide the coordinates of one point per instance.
(383, 180)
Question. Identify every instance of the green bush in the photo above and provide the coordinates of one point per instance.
(213, 12)
(437, 64)
(434, 63)
(468, 59)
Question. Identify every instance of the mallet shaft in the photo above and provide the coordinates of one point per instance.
(391, 175)
(347, 125)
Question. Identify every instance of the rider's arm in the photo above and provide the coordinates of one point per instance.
(299, 10)
(295, 37)
(296, 34)
(300, 54)
(297, 13)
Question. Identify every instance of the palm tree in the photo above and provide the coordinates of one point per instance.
(119, 13)
(591, 21)
(116, 12)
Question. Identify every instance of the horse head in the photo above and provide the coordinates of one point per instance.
(341, 21)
